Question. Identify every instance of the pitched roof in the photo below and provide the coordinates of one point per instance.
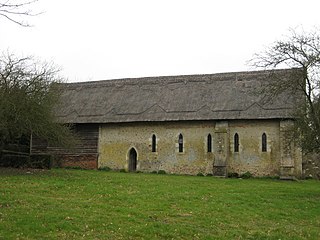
(172, 98)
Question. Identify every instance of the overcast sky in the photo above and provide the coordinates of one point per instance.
(109, 39)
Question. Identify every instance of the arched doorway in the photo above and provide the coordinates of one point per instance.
(132, 160)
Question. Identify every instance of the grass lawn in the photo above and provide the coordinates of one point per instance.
(85, 204)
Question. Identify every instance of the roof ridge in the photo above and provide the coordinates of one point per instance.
(170, 78)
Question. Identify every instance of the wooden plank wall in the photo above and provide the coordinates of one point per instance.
(87, 135)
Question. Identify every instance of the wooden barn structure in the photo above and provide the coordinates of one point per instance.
(211, 124)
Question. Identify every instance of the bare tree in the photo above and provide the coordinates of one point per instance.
(15, 11)
(299, 50)
(29, 93)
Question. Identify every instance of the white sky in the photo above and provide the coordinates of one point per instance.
(108, 39)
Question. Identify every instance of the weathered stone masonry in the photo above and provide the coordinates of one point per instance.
(118, 120)
(116, 140)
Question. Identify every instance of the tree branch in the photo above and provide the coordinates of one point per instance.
(297, 51)
(10, 11)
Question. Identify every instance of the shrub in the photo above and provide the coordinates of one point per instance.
(200, 174)
(43, 161)
(105, 169)
(269, 177)
(233, 175)
(209, 175)
(161, 172)
(24, 161)
(74, 167)
(246, 175)
(123, 170)
(15, 161)
(308, 177)
(154, 172)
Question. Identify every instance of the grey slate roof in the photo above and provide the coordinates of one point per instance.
(220, 96)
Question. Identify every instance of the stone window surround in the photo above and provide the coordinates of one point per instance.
(180, 143)
(236, 141)
(264, 142)
(209, 143)
(154, 143)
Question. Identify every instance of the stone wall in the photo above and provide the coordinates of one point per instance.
(291, 154)
(311, 166)
(250, 156)
(116, 141)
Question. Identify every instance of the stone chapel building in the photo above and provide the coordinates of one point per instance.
(210, 124)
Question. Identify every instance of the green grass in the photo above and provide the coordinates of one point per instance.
(83, 204)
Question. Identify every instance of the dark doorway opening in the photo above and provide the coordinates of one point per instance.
(132, 160)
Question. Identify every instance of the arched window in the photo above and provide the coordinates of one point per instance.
(154, 143)
(236, 142)
(209, 143)
(180, 141)
(264, 142)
